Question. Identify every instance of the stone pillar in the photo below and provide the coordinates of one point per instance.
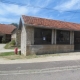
(71, 37)
(54, 36)
(32, 42)
(52, 40)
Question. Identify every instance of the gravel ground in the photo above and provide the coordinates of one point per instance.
(62, 57)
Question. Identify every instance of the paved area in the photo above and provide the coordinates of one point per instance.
(2, 49)
(41, 65)
(56, 70)
(2, 46)
(55, 75)
(7, 50)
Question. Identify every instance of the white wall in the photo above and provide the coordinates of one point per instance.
(23, 40)
(13, 36)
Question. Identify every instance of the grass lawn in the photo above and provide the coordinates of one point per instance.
(6, 54)
(13, 56)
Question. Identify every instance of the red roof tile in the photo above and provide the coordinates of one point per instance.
(48, 23)
(6, 29)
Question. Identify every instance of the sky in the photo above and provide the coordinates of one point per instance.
(63, 10)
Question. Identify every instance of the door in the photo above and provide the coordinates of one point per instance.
(0, 39)
(77, 40)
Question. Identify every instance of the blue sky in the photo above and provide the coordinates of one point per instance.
(11, 13)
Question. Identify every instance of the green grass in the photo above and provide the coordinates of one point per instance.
(7, 46)
(13, 56)
(7, 54)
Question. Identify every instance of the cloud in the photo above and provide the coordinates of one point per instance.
(69, 5)
(35, 8)
(19, 10)
(10, 11)
(8, 20)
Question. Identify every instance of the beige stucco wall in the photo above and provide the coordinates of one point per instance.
(23, 41)
(30, 35)
(29, 38)
(44, 49)
(13, 36)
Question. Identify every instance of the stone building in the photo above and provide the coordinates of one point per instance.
(39, 35)
(16, 35)
(5, 32)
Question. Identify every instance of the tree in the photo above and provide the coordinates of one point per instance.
(15, 24)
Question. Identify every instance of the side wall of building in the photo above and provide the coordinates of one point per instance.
(23, 40)
(30, 39)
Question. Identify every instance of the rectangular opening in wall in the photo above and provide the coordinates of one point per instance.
(42, 36)
(63, 37)
(77, 40)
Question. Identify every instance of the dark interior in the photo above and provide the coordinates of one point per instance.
(63, 37)
(0, 39)
(42, 36)
(76, 40)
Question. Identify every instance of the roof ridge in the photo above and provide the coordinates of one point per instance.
(50, 23)
(49, 19)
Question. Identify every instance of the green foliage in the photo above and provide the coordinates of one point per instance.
(10, 45)
(13, 43)
(7, 54)
(15, 24)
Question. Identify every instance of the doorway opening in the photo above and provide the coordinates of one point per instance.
(77, 40)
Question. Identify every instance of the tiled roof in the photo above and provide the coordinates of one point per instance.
(48, 23)
(6, 29)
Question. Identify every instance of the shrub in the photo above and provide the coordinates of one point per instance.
(10, 44)
(13, 43)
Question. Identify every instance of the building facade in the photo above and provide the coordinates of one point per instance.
(5, 32)
(42, 36)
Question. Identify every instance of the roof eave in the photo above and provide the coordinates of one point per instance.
(41, 26)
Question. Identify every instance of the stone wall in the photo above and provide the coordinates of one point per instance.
(18, 38)
(44, 49)
(30, 35)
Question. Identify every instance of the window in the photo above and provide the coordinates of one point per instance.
(63, 37)
(42, 36)
(76, 37)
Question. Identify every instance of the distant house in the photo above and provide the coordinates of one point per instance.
(39, 35)
(5, 32)
(16, 35)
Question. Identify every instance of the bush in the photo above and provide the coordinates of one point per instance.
(13, 43)
(10, 44)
